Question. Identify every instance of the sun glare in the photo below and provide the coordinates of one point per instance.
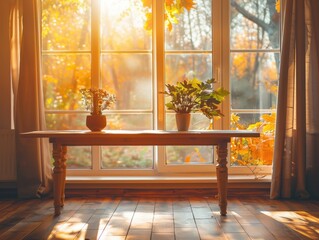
(69, 230)
(299, 221)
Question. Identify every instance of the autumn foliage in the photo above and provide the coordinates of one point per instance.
(254, 151)
(173, 8)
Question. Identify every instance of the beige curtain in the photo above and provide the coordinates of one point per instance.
(33, 160)
(296, 157)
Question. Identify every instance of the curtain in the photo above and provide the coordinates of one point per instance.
(33, 160)
(296, 153)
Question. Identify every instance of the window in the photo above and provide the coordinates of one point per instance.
(132, 48)
(253, 76)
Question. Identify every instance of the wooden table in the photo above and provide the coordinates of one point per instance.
(62, 139)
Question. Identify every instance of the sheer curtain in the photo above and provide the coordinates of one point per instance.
(33, 160)
(296, 157)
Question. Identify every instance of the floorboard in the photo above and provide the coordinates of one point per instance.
(159, 218)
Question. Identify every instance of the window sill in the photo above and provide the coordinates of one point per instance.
(165, 179)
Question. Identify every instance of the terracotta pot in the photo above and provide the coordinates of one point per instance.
(183, 121)
(96, 122)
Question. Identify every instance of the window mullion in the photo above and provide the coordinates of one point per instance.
(95, 44)
(159, 63)
(225, 56)
(159, 69)
(95, 68)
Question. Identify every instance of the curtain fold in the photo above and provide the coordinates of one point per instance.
(296, 153)
(33, 160)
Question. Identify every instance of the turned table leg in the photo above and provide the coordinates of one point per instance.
(222, 177)
(59, 171)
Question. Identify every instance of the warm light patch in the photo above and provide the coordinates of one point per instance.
(299, 221)
(69, 230)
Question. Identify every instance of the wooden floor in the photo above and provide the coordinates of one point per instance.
(159, 218)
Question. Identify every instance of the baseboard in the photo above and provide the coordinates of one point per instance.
(8, 190)
(150, 189)
(164, 189)
(168, 193)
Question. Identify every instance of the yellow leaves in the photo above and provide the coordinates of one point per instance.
(171, 13)
(273, 89)
(269, 123)
(147, 3)
(269, 118)
(234, 120)
(254, 151)
(188, 4)
(169, 2)
(173, 8)
(50, 79)
(278, 6)
(255, 126)
(240, 63)
(242, 151)
(148, 25)
(271, 83)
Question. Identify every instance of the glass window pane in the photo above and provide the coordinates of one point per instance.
(122, 25)
(189, 155)
(63, 121)
(127, 157)
(129, 76)
(79, 158)
(254, 24)
(254, 80)
(66, 25)
(63, 76)
(136, 121)
(190, 26)
(177, 65)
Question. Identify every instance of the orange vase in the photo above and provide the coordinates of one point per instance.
(96, 123)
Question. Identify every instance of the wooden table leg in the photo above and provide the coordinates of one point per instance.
(59, 169)
(64, 151)
(222, 177)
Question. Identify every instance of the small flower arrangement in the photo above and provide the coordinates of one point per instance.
(97, 100)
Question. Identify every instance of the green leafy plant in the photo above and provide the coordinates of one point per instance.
(184, 96)
(210, 99)
(97, 100)
(193, 95)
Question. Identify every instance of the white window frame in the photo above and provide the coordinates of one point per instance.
(221, 66)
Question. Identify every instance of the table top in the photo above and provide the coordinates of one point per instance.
(88, 133)
(139, 137)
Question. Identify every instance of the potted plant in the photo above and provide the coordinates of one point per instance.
(96, 100)
(210, 100)
(193, 95)
(184, 100)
